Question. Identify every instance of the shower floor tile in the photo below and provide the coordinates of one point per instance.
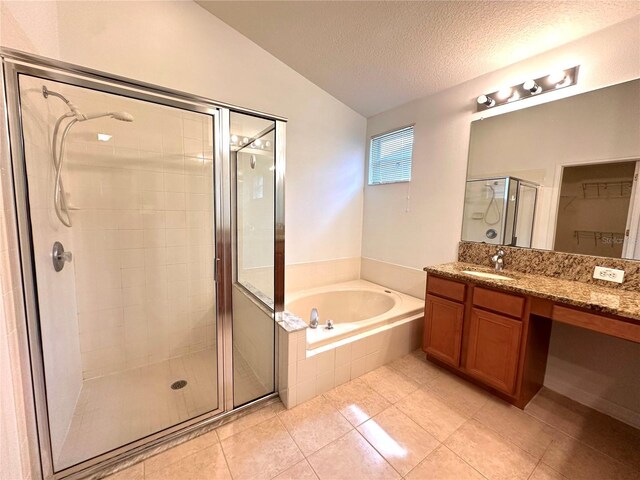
(117, 409)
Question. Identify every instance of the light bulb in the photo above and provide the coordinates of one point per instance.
(503, 93)
(487, 101)
(245, 140)
(556, 77)
(532, 86)
(268, 144)
(514, 97)
(234, 139)
(258, 142)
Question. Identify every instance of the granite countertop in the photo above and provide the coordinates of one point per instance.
(569, 292)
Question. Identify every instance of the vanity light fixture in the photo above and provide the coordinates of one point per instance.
(531, 87)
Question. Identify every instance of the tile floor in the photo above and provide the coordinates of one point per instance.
(410, 420)
(117, 405)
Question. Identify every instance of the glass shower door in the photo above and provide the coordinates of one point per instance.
(253, 147)
(128, 314)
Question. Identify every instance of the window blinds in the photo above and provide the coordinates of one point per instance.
(390, 157)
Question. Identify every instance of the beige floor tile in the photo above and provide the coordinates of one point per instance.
(248, 421)
(181, 451)
(431, 413)
(416, 367)
(300, 471)
(606, 434)
(314, 424)
(401, 441)
(356, 401)
(558, 411)
(135, 472)
(545, 472)
(443, 464)
(262, 451)
(460, 394)
(527, 432)
(389, 383)
(489, 453)
(576, 460)
(351, 457)
(205, 464)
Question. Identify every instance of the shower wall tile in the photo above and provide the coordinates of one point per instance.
(142, 235)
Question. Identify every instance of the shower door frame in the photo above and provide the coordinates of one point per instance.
(16, 63)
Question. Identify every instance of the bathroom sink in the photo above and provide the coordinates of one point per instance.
(492, 276)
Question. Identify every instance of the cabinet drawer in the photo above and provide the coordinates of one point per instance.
(446, 288)
(598, 323)
(498, 302)
(494, 349)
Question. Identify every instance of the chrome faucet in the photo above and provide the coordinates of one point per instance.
(497, 260)
(329, 325)
(313, 321)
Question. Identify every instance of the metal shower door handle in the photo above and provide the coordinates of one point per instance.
(59, 256)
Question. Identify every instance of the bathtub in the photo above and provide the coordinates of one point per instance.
(355, 307)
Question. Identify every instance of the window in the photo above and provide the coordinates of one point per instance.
(390, 157)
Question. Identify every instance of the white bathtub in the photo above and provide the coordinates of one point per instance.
(355, 307)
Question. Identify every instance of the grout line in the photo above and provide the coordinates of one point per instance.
(461, 458)
(224, 455)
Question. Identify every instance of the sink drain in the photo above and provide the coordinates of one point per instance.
(178, 384)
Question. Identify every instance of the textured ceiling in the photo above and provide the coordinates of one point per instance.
(376, 55)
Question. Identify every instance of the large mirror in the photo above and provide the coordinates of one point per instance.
(559, 176)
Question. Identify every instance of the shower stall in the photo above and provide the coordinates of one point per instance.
(499, 211)
(151, 238)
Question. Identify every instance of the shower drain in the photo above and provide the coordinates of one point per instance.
(178, 384)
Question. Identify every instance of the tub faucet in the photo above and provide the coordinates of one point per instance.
(313, 322)
(497, 260)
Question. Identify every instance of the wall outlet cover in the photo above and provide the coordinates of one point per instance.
(609, 274)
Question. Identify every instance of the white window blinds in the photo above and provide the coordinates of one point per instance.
(390, 157)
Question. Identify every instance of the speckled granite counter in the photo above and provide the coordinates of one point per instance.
(569, 292)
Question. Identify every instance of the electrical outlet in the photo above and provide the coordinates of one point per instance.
(609, 274)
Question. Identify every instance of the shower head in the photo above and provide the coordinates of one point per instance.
(122, 116)
(81, 117)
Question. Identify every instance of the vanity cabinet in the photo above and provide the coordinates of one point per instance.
(486, 336)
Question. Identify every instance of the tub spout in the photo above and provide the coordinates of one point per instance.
(313, 321)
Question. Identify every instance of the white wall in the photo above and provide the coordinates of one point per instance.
(428, 231)
(182, 46)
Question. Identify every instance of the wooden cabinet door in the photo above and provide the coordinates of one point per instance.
(443, 329)
(494, 349)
